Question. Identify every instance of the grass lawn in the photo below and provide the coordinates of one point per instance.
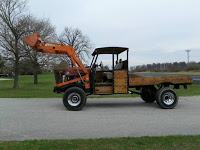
(46, 84)
(27, 89)
(150, 143)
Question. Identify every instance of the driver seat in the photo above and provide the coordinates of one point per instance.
(108, 75)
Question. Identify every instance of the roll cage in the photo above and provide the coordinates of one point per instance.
(114, 51)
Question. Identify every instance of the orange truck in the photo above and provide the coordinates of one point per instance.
(79, 81)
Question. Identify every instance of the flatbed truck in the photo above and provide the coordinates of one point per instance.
(79, 81)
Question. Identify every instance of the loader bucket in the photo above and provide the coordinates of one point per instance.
(32, 40)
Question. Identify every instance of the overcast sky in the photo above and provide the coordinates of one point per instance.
(154, 30)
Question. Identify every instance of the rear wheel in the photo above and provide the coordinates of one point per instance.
(148, 94)
(74, 98)
(166, 98)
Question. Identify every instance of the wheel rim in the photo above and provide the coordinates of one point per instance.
(74, 99)
(168, 98)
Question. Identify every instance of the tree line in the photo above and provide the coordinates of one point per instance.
(17, 22)
(167, 67)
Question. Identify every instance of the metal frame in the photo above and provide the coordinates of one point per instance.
(113, 70)
(127, 72)
(92, 66)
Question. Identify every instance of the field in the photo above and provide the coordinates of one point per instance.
(150, 143)
(46, 84)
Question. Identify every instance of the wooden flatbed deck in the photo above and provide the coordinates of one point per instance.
(174, 80)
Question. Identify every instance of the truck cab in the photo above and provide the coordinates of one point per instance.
(114, 80)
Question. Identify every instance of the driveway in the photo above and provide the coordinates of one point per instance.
(44, 118)
(4, 79)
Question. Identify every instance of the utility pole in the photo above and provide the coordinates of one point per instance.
(188, 55)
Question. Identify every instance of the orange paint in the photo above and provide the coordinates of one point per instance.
(36, 42)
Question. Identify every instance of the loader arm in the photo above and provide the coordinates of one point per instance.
(36, 42)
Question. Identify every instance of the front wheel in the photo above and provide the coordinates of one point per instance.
(74, 98)
(166, 98)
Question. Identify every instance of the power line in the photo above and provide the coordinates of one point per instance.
(188, 55)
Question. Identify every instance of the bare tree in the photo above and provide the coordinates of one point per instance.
(2, 63)
(132, 68)
(12, 23)
(76, 39)
(39, 60)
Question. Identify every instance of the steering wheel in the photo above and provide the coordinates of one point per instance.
(101, 64)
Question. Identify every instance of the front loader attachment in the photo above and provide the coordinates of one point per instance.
(48, 47)
(33, 40)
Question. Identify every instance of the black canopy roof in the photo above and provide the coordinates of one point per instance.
(109, 50)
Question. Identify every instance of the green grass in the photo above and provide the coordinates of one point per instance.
(193, 90)
(47, 82)
(27, 89)
(141, 143)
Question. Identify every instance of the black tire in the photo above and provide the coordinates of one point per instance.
(166, 98)
(74, 98)
(148, 94)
